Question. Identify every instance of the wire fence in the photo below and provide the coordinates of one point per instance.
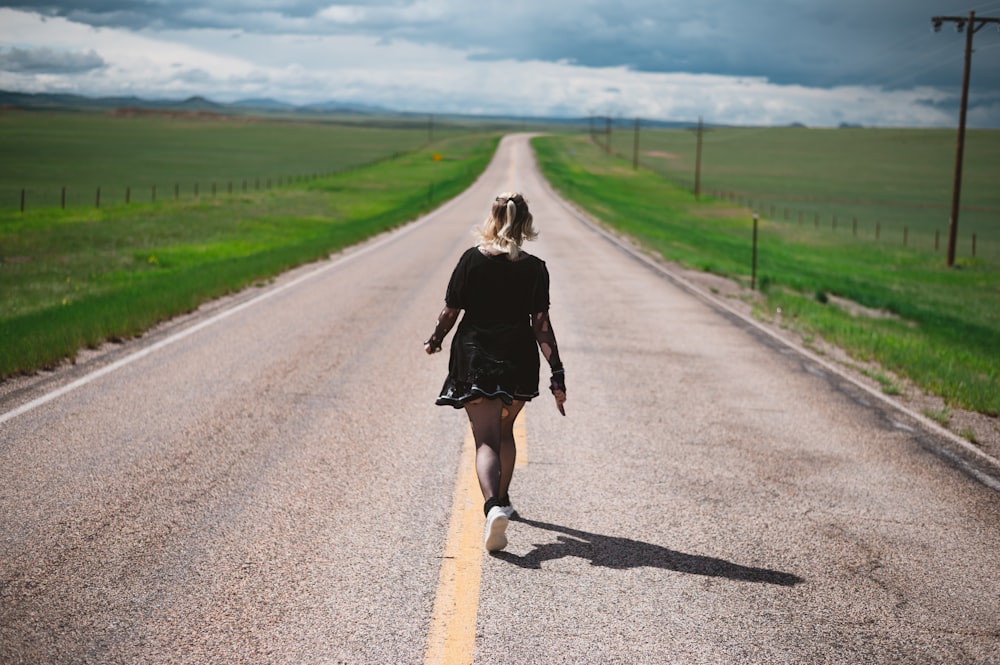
(850, 226)
(904, 223)
(98, 196)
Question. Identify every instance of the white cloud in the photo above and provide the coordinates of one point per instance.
(230, 64)
(348, 14)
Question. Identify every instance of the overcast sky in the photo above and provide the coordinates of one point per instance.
(751, 62)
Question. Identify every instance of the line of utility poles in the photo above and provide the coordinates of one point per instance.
(971, 25)
(607, 132)
(699, 130)
(697, 159)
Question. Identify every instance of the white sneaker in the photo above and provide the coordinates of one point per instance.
(496, 527)
(508, 511)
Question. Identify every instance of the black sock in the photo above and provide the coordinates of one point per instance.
(490, 503)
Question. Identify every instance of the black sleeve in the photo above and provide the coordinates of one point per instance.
(540, 293)
(454, 296)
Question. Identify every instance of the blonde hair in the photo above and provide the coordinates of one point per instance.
(508, 225)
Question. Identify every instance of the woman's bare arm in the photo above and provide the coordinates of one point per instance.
(446, 320)
(546, 337)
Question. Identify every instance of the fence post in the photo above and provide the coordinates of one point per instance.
(128, 194)
(22, 199)
(973, 245)
(854, 228)
(62, 198)
(906, 233)
(753, 267)
(97, 203)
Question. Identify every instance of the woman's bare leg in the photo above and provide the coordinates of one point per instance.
(508, 449)
(485, 418)
(493, 430)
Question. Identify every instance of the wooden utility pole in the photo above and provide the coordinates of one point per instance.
(971, 25)
(697, 159)
(607, 134)
(635, 147)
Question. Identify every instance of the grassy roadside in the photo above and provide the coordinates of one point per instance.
(937, 327)
(75, 278)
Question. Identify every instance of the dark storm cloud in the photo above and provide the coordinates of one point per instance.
(175, 14)
(48, 61)
(820, 43)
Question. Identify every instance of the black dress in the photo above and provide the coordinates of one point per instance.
(494, 353)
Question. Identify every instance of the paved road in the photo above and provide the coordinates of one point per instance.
(271, 483)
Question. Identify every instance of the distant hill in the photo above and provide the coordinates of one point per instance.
(54, 101)
(265, 106)
(340, 107)
(51, 101)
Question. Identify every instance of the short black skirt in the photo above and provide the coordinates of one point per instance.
(491, 360)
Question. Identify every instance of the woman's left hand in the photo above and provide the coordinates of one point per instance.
(560, 396)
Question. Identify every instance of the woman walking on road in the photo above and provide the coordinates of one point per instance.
(493, 367)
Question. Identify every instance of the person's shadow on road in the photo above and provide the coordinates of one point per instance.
(622, 553)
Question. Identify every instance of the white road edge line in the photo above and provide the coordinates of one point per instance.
(927, 423)
(187, 332)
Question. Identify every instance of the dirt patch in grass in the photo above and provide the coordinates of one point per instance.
(856, 309)
(661, 154)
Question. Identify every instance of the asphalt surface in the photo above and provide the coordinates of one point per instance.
(271, 483)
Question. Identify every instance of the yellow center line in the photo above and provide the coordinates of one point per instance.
(452, 636)
(521, 437)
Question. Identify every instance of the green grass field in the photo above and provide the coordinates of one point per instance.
(939, 326)
(883, 182)
(76, 277)
(47, 151)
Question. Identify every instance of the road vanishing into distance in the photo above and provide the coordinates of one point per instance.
(269, 481)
